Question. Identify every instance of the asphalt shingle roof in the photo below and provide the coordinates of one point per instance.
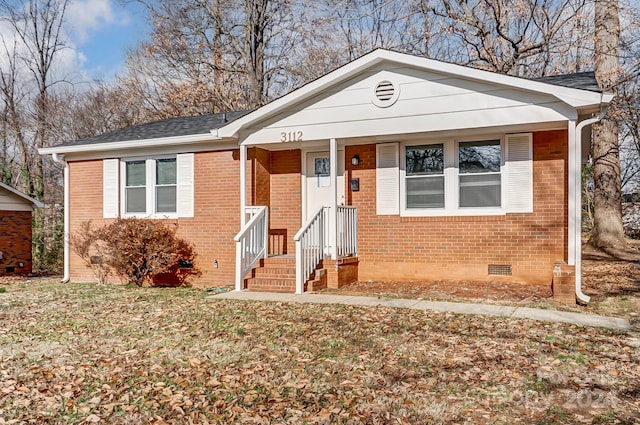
(578, 80)
(171, 127)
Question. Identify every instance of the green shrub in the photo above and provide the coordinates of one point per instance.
(138, 250)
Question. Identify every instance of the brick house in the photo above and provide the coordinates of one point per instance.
(15, 230)
(390, 167)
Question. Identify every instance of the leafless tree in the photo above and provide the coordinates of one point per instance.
(608, 232)
(514, 37)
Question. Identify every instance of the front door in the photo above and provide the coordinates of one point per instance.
(318, 181)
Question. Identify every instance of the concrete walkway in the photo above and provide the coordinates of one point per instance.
(463, 308)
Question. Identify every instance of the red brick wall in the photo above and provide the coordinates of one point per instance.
(285, 211)
(391, 247)
(15, 241)
(259, 177)
(404, 248)
(216, 220)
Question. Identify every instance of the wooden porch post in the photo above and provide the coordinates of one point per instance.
(333, 170)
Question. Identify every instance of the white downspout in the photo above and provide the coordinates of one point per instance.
(243, 185)
(581, 296)
(60, 160)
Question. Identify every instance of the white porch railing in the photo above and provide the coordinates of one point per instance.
(310, 247)
(347, 231)
(252, 243)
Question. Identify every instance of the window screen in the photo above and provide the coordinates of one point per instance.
(479, 174)
(135, 189)
(166, 185)
(424, 167)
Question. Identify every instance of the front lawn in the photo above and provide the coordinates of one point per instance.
(110, 354)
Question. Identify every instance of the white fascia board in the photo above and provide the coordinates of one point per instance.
(130, 144)
(27, 198)
(573, 97)
(576, 98)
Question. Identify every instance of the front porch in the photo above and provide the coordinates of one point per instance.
(320, 260)
(296, 233)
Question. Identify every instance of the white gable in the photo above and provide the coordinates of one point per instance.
(427, 101)
(14, 200)
(11, 202)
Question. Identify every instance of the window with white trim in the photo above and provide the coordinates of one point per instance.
(157, 187)
(480, 180)
(135, 190)
(491, 175)
(166, 185)
(150, 187)
(424, 167)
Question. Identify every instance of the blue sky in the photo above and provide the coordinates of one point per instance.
(101, 31)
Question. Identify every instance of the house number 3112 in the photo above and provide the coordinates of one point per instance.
(291, 136)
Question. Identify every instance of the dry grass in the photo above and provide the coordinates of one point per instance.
(83, 353)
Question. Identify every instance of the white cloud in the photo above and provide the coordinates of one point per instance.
(67, 64)
(89, 16)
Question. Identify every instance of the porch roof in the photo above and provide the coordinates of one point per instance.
(577, 92)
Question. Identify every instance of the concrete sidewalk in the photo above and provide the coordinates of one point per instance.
(462, 308)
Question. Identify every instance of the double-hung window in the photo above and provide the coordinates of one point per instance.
(492, 175)
(135, 192)
(166, 180)
(424, 166)
(479, 174)
(451, 177)
(156, 187)
(150, 187)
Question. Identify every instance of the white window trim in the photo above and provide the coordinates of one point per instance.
(451, 179)
(150, 187)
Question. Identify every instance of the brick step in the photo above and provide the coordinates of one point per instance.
(289, 261)
(274, 271)
(271, 284)
(285, 282)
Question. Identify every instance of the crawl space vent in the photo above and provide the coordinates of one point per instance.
(385, 94)
(500, 269)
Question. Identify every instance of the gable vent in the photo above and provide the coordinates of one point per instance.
(385, 94)
(499, 270)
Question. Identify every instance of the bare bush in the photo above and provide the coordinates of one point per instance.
(139, 251)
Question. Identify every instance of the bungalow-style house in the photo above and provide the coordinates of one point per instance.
(15, 230)
(392, 167)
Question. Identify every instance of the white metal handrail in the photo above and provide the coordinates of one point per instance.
(252, 242)
(310, 246)
(347, 230)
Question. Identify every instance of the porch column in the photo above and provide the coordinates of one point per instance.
(333, 176)
(243, 185)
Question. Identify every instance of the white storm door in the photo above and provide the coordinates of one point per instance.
(318, 181)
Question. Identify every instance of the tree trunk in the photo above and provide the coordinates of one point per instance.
(608, 232)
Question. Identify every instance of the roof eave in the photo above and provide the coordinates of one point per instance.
(16, 192)
(130, 144)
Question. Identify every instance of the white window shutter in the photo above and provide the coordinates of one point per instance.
(110, 188)
(387, 179)
(185, 179)
(519, 178)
